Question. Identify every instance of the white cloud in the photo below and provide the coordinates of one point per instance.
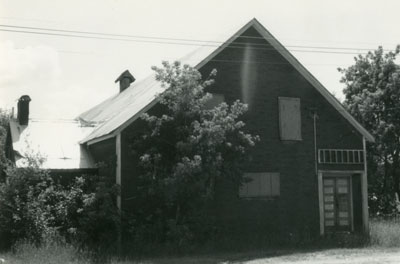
(32, 70)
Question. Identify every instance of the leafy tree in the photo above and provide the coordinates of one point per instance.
(185, 152)
(4, 119)
(35, 208)
(372, 95)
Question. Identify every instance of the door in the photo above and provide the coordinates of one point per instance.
(337, 204)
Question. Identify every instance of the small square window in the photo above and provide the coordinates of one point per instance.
(263, 184)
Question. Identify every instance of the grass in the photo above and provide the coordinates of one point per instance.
(383, 245)
(333, 256)
(50, 253)
(385, 233)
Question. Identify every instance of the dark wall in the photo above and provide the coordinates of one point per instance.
(258, 75)
(128, 171)
(104, 154)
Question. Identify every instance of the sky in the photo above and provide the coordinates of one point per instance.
(65, 76)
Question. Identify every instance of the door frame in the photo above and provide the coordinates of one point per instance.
(335, 173)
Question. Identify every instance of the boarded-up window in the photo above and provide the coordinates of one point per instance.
(215, 100)
(263, 184)
(289, 118)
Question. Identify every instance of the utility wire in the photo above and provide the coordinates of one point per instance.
(177, 39)
(106, 34)
(170, 43)
(239, 36)
(148, 39)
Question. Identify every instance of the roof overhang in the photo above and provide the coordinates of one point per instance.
(285, 53)
(122, 127)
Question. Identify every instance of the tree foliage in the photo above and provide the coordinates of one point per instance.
(33, 207)
(372, 95)
(185, 151)
(4, 119)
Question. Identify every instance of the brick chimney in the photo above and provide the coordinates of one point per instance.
(125, 79)
(23, 110)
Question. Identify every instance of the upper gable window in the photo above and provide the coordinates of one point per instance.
(289, 118)
(215, 100)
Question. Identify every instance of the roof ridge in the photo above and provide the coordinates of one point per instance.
(112, 126)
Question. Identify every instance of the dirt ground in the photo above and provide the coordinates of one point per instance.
(332, 256)
(342, 256)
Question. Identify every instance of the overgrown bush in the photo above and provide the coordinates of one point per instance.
(383, 204)
(23, 208)
(91, 217)
(33, 208)
(4, 120)
(182, 155)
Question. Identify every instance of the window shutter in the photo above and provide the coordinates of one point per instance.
(289, 118)
(275, 184)
(243, 190)
(265, 184)
(253, 188)
(262, 184)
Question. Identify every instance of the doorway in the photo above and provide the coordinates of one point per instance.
(337, 204)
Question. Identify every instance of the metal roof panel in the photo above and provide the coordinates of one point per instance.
(56, 141)
(122, 109)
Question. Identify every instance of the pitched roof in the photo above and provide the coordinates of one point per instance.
(120, 110)
(117, 112)
(56, 141)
